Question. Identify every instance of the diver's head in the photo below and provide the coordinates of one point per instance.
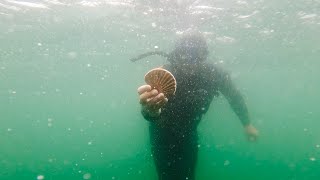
(191, 48)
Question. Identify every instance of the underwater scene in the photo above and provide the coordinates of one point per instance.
(242, 100)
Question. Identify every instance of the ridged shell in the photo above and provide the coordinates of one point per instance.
(162, 80)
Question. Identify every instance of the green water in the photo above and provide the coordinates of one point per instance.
(68, 100)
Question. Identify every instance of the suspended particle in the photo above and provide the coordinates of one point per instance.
(66, 162)
(247, 26)
(39, 44)
(312, 159)
(87, 176)
(153, 24)
(72, 55)
(40, 177)
(292, 165)
(226, 163)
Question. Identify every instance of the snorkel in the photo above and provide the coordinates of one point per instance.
(191, 48)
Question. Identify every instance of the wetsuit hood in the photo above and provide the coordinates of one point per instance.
(191, 47)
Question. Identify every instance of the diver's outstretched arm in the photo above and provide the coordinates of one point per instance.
(237, 102)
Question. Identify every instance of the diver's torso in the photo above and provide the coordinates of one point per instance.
(192, 98)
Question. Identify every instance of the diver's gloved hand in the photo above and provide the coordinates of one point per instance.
(251, 132)
(151, 100)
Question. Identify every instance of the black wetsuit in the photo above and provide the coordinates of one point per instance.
(173, 134)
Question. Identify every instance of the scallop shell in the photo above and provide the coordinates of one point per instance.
(162, 80)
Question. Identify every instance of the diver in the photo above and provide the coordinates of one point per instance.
(174, 120)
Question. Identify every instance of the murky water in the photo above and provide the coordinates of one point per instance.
(69, 106)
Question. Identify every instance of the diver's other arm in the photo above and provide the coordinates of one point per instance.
(238, 105)
(151, 102)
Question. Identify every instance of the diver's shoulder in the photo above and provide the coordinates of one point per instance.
(217, 70)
